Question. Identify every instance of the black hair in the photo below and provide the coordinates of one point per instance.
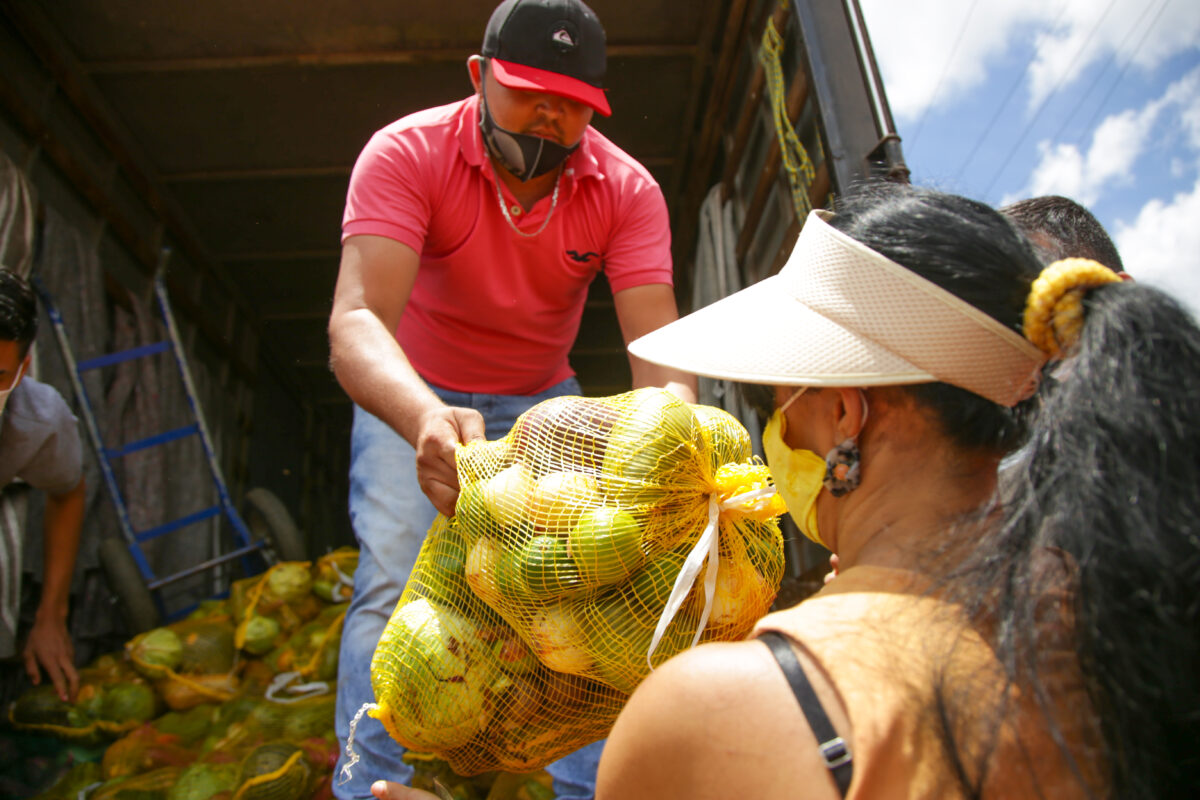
(1108, 482)
(1058, 227)
(969, 250)
(18, 310)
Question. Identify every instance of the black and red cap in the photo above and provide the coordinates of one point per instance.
(553, 46)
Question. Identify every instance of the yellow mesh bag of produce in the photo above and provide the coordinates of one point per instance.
(260, 720)
(312, 650)
(452, 678)
(570, 567)
(333, 575)
(275, 771)
(588, 527)
(191, 662)
(268, 608)
(172, 740)
(155, 783)
(203, 781)
(101, 711)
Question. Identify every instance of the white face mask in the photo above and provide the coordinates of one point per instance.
(4, 393)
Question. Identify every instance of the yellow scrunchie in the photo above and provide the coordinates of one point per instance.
(1054, 309)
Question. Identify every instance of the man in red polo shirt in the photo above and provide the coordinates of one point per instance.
(471, 234)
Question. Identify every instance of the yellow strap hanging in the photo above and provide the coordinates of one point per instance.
(796, 162)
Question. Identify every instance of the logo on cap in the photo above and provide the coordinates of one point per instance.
(563, 38)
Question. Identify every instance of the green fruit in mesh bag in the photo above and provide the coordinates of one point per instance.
(505, 495)
(605, 545)
(307, 718)
(202, 781)
(509, 650)
(440, 571)
(41, 705)
(290, 581)
(209, 608)
(89, 699)
(648, 446)
(724, 437)
(541, 570)
(472, 514)
(619, 633)
(482, 570)
(741, 595)
(207, 647)
(557, 498)
(650, 587)
(764, 547)
(124, 702)
(191, 725)
(557, 640)
(160, 647)
(259, 634)
(274, 770)
(428, 681)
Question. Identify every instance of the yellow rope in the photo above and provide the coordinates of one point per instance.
(796, 162)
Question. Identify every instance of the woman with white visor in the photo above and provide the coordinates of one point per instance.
(1045, 646)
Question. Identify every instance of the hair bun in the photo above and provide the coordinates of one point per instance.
(1054, 309)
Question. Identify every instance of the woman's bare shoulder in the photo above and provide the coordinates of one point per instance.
(712, 722)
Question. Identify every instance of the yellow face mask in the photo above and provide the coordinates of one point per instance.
(799, 474)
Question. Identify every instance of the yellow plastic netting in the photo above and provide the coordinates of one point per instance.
(532, 614)
(112, 700)
(333, 575)
(236, 723)
(268, 608)
(191, 662)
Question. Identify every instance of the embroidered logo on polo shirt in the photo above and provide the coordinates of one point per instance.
(582, 258)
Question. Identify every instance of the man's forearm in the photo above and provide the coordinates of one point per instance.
(373, 370)
(682, 384)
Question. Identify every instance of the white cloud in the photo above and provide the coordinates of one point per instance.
(1117, 144)
(1115, 147)
(1162, 246)
(915, 43)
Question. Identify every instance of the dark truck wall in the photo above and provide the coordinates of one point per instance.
(230, 140)
(744, 212)
(89, 189)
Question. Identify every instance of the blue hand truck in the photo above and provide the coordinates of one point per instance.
(270, 536)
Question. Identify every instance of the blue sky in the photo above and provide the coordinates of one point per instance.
(1098, 100)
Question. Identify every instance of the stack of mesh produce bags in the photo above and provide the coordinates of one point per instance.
(598, 538)
(234, 701)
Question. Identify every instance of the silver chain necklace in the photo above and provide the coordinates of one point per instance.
(549, 214)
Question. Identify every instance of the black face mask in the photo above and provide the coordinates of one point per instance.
(522, 154)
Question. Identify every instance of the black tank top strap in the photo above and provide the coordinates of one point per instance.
(834, 750)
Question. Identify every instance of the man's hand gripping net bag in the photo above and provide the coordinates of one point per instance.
(599, 537)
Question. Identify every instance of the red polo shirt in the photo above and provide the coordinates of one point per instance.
(491, 311)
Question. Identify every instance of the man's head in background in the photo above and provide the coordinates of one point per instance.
(18, 311)
(18, 327)
(1058, 228)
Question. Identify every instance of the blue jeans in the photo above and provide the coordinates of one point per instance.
(391, 515)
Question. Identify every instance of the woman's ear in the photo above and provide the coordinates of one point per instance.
(852, 412)
(475, 70)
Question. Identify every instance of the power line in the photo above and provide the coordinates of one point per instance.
(1121, 76)
(962, 29)
(1042, 106)
(1012, 89)
(1112, 58)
